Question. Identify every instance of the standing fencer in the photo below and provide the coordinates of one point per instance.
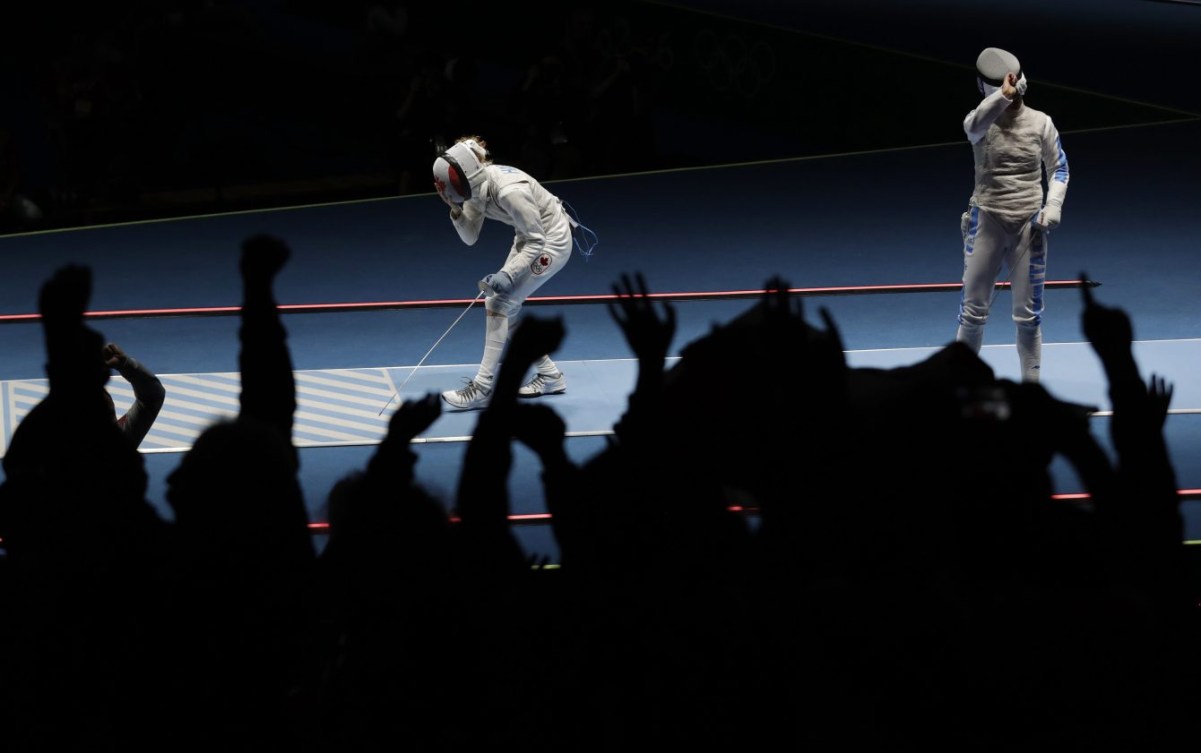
(1008, 217)
(475, 189)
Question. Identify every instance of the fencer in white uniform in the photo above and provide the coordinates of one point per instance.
(1009, 215)
(476, 189)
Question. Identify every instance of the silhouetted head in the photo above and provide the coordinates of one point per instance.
(238, 481)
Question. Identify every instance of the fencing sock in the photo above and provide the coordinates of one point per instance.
(496, 333)
(1030, 349)
(972, 335)
(547, 367)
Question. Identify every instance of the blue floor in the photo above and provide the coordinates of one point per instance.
(881, 218)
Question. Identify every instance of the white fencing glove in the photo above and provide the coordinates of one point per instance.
(496, 284)
(1048, 219)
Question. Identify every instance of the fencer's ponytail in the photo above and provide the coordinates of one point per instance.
(477, 145)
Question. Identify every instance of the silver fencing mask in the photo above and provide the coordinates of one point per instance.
(991, 68)
(458, 172)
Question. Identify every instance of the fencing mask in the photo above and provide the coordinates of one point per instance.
(991, 68)
(458, 172)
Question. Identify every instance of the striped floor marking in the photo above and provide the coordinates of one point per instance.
(351, 407)
(337, 407)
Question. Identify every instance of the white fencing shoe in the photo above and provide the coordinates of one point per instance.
(471, 397)
(543, 384)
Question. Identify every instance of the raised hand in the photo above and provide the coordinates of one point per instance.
(778, 304)
(394, 459)
(648, 332)
(114, 357)
(263, 256)
(455, 208)
(832, 336)
(1009, 87)
(782, 313)
(414, 417)
(1107, 328)
(1159, 394)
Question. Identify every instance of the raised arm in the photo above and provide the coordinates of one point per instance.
(483, 500)
(393, 461)
(978, 121)
(268, 386)
(148, 393)
(543, 431)
(649, 331)
(468, 219)
(1149, 515)
(74, 364)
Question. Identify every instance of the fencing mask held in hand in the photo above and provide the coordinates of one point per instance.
(991, 68)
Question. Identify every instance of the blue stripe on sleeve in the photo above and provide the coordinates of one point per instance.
(1061, 163)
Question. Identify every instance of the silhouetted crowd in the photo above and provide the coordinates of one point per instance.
(894, 576)
(132, 108)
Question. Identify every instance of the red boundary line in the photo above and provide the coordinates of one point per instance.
(326, 308)
(545, 517)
